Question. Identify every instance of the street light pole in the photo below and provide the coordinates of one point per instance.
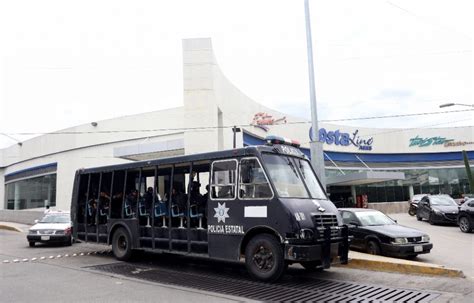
(316, 147)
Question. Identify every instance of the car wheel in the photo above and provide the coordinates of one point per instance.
(465, 225)
(373, 248)
(430, 219)
(122, 244)
(32, 244)
(69, 241)
(264, 258)
(419, 218)
(312, 265)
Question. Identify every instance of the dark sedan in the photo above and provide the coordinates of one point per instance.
(466, 216)
(438, 209)
(378, 234)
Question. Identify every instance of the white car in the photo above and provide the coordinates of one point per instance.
(54, 227)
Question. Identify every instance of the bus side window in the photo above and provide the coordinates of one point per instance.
(223, 180)
(253, 183)
(117, 194)
(82, 198)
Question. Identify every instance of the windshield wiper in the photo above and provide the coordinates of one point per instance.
(301, 169)
(292, 167)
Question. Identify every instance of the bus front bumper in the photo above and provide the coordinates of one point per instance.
(325, 250)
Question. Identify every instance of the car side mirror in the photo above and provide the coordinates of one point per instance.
(36, 221)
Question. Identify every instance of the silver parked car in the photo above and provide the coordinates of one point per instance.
(54, 227)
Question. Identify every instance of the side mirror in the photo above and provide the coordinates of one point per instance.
(36, 221)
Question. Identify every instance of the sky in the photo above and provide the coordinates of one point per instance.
(64, 63)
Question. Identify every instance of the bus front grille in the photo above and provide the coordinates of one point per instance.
(321, 220)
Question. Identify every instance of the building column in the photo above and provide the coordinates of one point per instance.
(410, 191)
(354, 195)
(17, 196)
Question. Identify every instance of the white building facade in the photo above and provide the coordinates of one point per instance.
(41, 171)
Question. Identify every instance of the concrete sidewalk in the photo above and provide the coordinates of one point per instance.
(356, 260)
(380, 263)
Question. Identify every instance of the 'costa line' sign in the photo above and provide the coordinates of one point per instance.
(343, 139)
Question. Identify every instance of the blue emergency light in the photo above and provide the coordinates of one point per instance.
(281, 140)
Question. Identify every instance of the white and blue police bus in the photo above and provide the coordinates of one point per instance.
(263, 204)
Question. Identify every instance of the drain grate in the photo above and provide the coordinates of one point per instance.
(289, 289)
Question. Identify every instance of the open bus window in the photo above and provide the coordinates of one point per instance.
(104, 197)
(117, 194)
(223, 181)
(146, 192)
(131, 194)
(82, 198)
(92, 199)
(253, 183)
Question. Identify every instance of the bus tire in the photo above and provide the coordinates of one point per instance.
(264, 258)
(122, 244)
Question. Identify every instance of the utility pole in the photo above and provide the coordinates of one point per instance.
(316, 147)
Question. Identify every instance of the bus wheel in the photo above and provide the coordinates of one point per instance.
(264, 258)
(312, 265)
(122, 244)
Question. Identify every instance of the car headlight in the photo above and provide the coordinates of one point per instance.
(400, 241)
(425, 238)
(437, 211)
(59, 232)
(33, 232)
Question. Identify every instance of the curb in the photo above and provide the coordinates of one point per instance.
(423, 269)
(11, 228)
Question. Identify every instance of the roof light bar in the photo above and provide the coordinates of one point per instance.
(281, 140)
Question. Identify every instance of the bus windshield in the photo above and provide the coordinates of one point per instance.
(290, 175)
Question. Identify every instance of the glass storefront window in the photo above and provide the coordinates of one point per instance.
(451, 181)
(31, 193)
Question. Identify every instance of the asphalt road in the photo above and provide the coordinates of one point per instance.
(58, 278)
(451, 247)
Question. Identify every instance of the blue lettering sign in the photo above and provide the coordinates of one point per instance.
(344, 139)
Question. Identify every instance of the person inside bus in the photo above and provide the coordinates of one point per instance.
(117, 199)
(104, 203)
(205, 197)
(131, 203)
(148, 199)
(179, 199)
(196, 197)
(92, 209)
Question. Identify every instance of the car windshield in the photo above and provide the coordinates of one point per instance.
(55, 219)
(289, 175)
(371, 218)
(442, 201)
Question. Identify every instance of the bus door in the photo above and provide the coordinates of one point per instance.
(239, 202)
(224, 228)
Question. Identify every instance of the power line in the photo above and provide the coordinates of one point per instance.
(198, 128)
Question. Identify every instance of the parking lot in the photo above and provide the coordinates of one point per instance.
(451, 247)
